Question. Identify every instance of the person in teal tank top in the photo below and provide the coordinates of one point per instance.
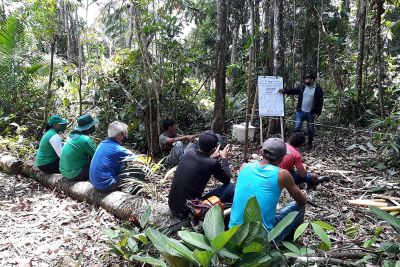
(79, 150)
(265, 180)
(50, 147)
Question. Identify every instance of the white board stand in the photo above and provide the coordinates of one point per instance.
(270, 101)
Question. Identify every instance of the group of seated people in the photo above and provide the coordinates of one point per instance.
(79, 159)
(281, 168)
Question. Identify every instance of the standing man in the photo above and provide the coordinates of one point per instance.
(171, 143)
(309, 105)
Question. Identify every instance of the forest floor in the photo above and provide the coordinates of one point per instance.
(40, 227)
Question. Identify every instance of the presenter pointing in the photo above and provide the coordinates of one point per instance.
(309, 105)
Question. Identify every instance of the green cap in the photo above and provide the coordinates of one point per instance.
(55, 119)
(85, 122)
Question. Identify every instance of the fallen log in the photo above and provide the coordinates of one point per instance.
(366, 202)
(118, 203)
(9, 163)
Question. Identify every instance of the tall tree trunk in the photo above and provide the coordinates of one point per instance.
(48, 94)
(277, 44)
(249, 80)
(378, 6)
(277, 51)
(80, 80)
(130, 26)
(360, 56)
(218, 123)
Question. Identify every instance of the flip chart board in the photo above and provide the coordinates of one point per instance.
(270, 101)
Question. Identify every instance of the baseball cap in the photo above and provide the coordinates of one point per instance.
(275, 148)
(207, 141)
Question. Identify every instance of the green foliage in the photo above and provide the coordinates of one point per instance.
(242, 245)
(390, 219)
(320, 229)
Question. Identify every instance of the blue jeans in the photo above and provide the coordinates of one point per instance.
(302, 116)
(299, 180)
(224, 192)
(292, 206)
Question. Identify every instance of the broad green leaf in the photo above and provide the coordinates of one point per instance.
(203, 257)
(195, 239)
(390, 219)
(325, 225)
(239, 237)
(292, 254)
(253, 260)
(142, 238)
(252, 212)
(227, 254)
(149, 260)
(369, 242)
(253, 232)
(285, 222)
(132, 245)
(110, 233)
(305, 251)
(220, 241)
(145, 217)
(213, 222)
(159, 241)
(180, 248)
(293, 248)
(176, 261)
(390, 247)
(321, 234)
(364, 259)
(254, 247)
(300, 230)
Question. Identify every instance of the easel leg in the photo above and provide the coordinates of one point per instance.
(261, 131)
(282, 133)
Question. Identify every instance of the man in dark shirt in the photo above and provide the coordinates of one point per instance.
(309, 105)
(194, 171)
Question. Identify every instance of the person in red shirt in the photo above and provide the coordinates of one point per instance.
(293, 162)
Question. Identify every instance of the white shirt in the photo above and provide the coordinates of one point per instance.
(56, 143)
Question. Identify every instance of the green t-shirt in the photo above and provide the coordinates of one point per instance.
(46, 153)
(77, 152)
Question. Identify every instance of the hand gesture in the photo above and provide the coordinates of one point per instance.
(191, 137)
(216, 152)
(224, 154)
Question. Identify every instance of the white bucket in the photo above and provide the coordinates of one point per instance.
(238, 132)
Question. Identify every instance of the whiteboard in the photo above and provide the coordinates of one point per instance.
(270, 101)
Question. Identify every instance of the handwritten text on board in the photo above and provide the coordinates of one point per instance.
(270, 101)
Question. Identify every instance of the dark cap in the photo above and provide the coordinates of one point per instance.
(310, 75)
(55, 119)
(274, 148)
(85, 122)
(207, 141)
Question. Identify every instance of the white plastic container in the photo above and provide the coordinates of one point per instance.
(238, 132)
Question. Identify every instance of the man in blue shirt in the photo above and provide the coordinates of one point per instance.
(106, 162)
(265, 180)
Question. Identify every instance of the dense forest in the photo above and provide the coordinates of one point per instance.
(198, 61)
(195, 61)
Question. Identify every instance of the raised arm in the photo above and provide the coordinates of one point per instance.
(221, 169)
(286, 181)
(294, 91)
(189, 138)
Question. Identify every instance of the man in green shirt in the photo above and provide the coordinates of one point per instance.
(79, 150)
